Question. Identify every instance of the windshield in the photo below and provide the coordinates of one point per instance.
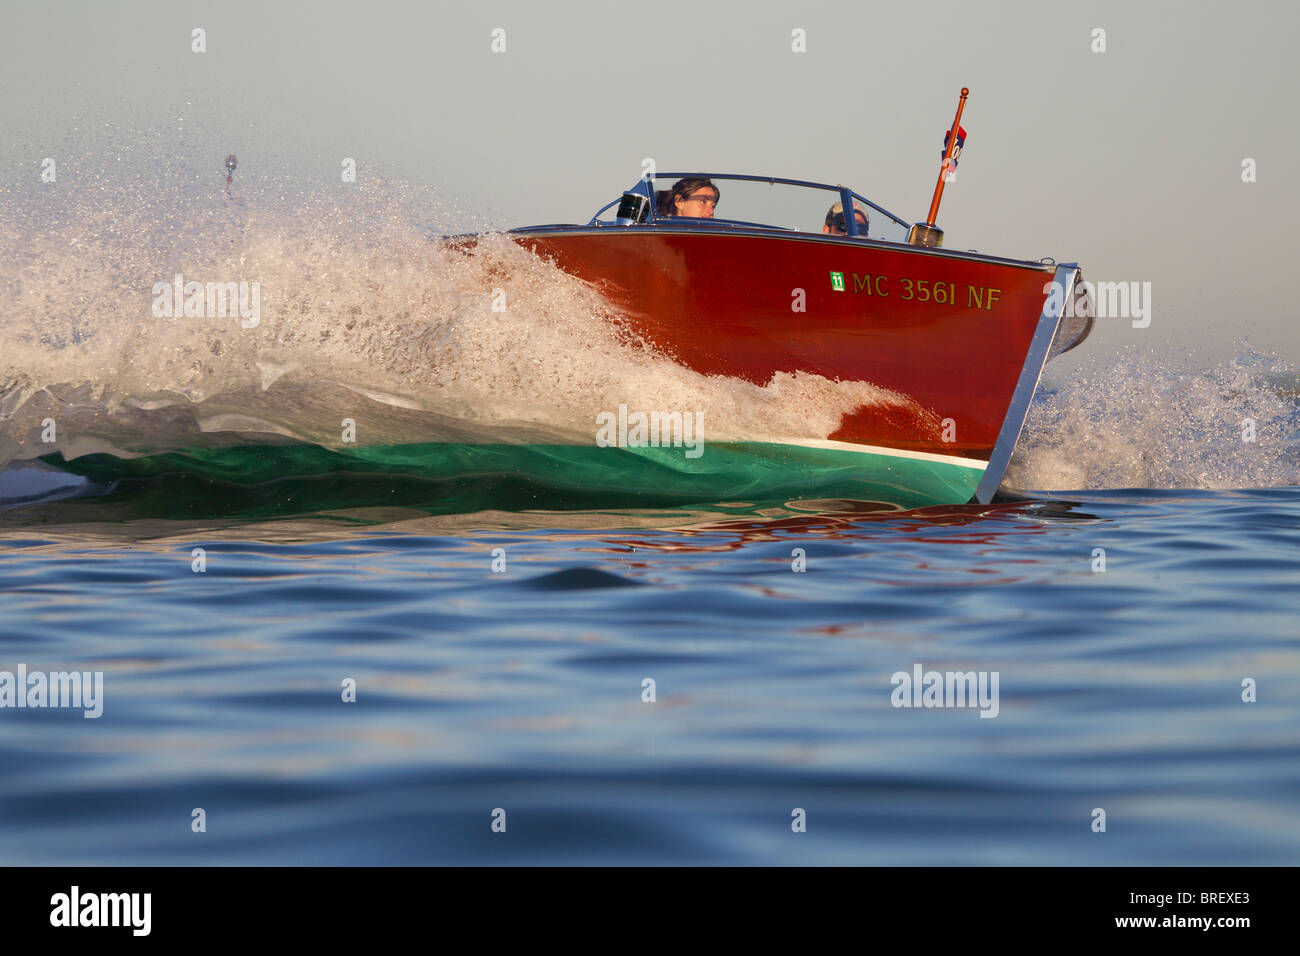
(753, 201)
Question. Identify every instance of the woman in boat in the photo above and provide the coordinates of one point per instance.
(694, 198)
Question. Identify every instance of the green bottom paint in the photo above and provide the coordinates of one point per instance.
(441, 478)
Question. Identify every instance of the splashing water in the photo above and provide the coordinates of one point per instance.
(361, 316)
(1141, 423)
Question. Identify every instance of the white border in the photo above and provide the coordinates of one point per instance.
(975, 463)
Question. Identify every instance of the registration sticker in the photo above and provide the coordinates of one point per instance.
(837, 281)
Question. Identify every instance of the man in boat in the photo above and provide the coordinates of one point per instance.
(694, 198)
(835, 224)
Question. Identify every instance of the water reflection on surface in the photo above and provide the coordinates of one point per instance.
(523, 687)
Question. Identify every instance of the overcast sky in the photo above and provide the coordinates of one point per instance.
(1128, 161)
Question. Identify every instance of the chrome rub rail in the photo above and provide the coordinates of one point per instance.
(1063, 282)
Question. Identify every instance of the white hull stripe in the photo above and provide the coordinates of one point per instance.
(975, 463)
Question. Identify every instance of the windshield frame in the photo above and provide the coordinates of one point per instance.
(645, 186)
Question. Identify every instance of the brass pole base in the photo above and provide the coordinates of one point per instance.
(924, 234)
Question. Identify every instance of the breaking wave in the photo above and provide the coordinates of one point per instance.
(1141, 422)
(360, 317)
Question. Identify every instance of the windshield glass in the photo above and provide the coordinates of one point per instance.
(761, 202)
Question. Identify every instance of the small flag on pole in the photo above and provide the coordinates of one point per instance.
(951, 172)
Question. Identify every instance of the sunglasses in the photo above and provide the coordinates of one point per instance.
(838, 223)
(709, 198)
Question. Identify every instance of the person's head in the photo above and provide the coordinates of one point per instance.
(697, 198)
(835, 224)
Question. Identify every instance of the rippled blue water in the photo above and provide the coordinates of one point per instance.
(522, 689)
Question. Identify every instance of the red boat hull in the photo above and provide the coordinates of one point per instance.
(949, 330)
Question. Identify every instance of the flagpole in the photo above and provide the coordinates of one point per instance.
(947, 157)
(927, 233)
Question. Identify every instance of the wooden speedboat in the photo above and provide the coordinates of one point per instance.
(955, 341)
